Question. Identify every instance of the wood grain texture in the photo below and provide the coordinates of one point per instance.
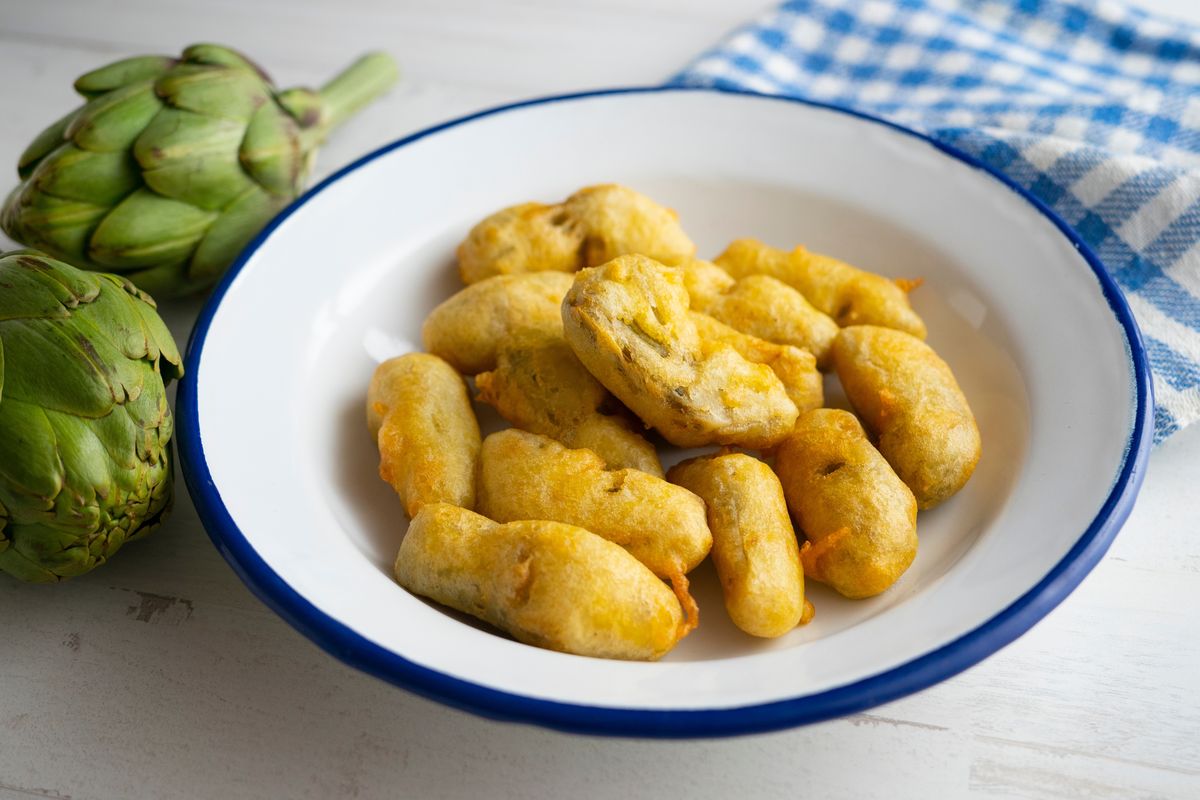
(160, 675)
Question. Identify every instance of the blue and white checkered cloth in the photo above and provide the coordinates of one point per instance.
(1091, 105)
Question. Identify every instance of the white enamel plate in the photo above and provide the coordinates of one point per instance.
(281, 467)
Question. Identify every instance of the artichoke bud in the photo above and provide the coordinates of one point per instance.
(85, 427)
(173, 165)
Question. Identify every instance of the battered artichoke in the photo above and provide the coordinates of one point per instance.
(173, 165)
(85, 428)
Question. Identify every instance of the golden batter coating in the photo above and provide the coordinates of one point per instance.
(421, 417)
(530, 237)
(754, 547)
(548, 584)
(859, 517)
(908, 398)
(760, 306)
(795, 368)
(527, 476)
(594, 225)
(469, 328)
(539, 385)
(848, 294)
(620, 221)
(628, 322)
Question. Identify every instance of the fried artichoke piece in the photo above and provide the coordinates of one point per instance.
(548, 584)
(908, 398)
(530, 237)
(754, 546)
(761, 306)
(592, 226)
(420, 414)
(628, 322)
(859, 517)
(795, 368)
(540, 386)
(527, 476)
(848, 294)
(468, 329)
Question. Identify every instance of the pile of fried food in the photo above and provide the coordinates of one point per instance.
(589, 322)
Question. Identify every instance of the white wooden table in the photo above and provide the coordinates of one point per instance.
(161, 676)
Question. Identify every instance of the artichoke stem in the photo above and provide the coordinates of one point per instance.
(357, 85)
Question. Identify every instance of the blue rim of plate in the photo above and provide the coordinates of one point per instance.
(922, 672)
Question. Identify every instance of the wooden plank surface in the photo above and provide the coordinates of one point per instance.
(162, 676)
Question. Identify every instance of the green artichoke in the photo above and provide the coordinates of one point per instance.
(173, 165)
(85, 428)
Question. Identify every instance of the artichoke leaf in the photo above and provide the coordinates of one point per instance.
(176, 135)
(211, 181)
(147, 229)
(33, 291)
(222, 56)
(122, 73)
(111, 316)
(114, 121)
(85, 176)
(55, 369)
(44, 144)
(160, 345)
(31, 474)
(59, 227)
(306, 106)
(165, 280)
(89, 471)
(126, 377)
(42, 552)
(117, 331)
(272, 152)
(150, 416)
(244, 218)
(25, 294)
(230, 93)
(16, 564)
(113, 433)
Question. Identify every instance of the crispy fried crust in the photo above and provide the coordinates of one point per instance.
(526, 476)
(859, 517)
(795, 368)
(850, 295)
(908, 398)
(548, 584)
(627, 321)
(754, 546)
(421, 417)
(592, 226)
(468, 329)
(539, 385)
(761, 306)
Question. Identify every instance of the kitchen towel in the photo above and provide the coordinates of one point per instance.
(1091, 105)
